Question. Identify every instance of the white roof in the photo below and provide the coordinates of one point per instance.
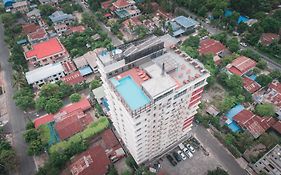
(99, 93)
(159, 83)
(43, 72)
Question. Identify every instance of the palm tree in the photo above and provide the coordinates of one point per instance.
(19, 80)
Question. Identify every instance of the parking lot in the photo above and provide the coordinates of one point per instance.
(199, 164)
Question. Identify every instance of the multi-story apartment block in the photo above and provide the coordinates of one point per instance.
(20, 6)
(46, 52)
(270, 162)
(153, 94)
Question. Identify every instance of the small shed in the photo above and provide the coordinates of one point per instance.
(212, 110)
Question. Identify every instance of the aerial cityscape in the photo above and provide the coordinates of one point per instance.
(140, 87)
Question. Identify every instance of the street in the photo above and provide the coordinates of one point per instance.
(115, 41)
(212, 30)
(214, 147)
(17, 119)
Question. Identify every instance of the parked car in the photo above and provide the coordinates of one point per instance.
(188, 154)
(182, 147)
(177, 156)
(243, 44)
(183, 157)
(190, 148)
(171, 160)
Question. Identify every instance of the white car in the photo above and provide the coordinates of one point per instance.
(189, 154)
(190, 148)
(243, 44)
(182, 147)
(181, 154)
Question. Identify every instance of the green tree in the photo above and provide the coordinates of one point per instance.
(131, 162)
(46, 10)
(263, 80)
(262, 64)
(24, 98)
(266, 109)
(75, 97)
(217, 171)
(53, 105)
(233, 44)
(192, 41)
(50, 90)
(8, 19)
(202, 11)
(35, 147)
(95, 84)
(222, 37)
(227, 103)
(40, 103)
(126, 172)
(269, 140)
(275, 74)
(112, 170)
(229, 139)
(31, 135)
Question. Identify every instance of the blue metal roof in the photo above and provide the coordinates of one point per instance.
(60, 16)
(85, 70)
(178, 32)
(8, 3)
(185, 22)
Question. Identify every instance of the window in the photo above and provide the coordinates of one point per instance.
(138, 123)
(180, 94)
(199, 84)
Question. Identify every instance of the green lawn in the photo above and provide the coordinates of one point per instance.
(44, 133)
(93, 129)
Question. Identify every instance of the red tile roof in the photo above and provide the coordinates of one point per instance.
(45, 48)
(256, 125)
(250, 85)
(106, 4)
(277, 127)
(29, 28)
(109, 139)
(93, 161)
(72, 123)
(210, 46)
(267, 38)
(273, 93)
(38, 34)
(132, 21)
(121, 3)
(73, 78)
(83, 104)
(68, 66)
(241, 65)
(78, 29)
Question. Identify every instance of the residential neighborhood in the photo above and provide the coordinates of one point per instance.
(140, 87)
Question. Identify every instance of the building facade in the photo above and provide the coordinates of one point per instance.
(270, 162)
(153, 94)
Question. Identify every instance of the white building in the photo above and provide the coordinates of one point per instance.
(153, 94)
(46, 74)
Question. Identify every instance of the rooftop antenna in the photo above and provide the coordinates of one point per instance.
(163, 69)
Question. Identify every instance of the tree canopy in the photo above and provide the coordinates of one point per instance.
(266, 109)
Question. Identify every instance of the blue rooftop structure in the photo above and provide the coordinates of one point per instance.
(185, 22)
(23, 41)
(228, 13)
(8, 3)
(85, 70)
(230, 114)
(182, 24)
(60, 16)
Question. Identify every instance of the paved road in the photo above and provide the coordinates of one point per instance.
(212, 30)
(16, 116)
(214, 147)
(115, 40)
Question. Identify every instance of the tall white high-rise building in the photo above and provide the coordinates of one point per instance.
(153, 92)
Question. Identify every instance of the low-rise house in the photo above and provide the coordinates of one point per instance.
(60, 28)
(50, 2)
(270, 162)
(20, 6)
(59, 17)
(46, 52)
(33, 15)
(182, 25)
(86, 63)
(211, 46)
(68, 124)
(68, 66)
(83, 105)
(131, 24)
(46, 74)
(29, 28)
(92, 161)
(241, 65)
(212, 110)
(73, 78)
(37, 36)
(74, 29)
(125, 8)
(267, 38)
(250, 85)
(273, 95)
(252, 123)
